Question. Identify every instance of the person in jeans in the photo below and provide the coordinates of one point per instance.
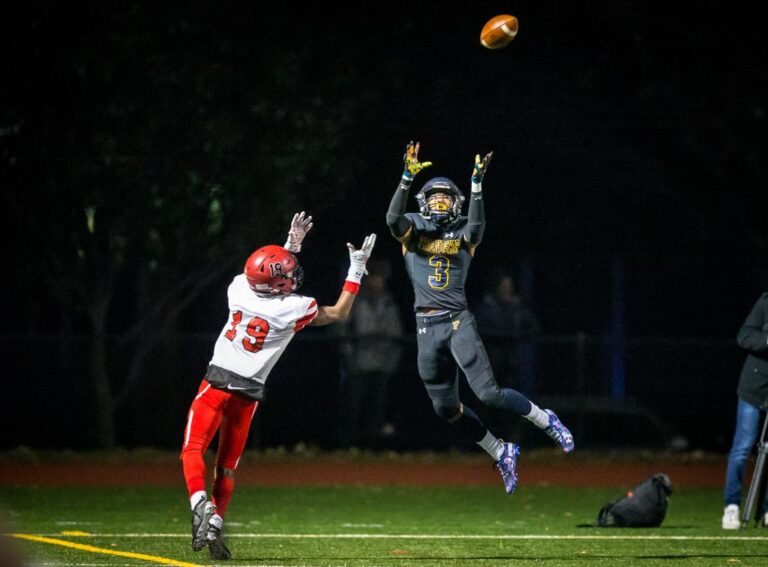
(753, 396)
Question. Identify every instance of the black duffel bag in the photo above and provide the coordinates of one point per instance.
(644, 507)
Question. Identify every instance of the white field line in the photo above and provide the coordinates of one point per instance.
(432, 536)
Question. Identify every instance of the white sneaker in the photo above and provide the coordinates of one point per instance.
(765, 520)
(731, 519)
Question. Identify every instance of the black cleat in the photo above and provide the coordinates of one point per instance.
(216, 545)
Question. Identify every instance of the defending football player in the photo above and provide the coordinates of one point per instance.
(264, 315)
(438, 244)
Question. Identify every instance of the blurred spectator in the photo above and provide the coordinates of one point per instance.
(371, 354)
(508, 323)
(753, 398)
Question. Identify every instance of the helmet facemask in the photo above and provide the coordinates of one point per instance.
(289, 281)
(440, 207)
(298, 276)
(440, 200)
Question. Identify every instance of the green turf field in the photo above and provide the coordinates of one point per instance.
(351, 526)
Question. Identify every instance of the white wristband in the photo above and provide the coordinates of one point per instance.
(477, 187)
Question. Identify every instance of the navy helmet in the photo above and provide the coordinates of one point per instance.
(440, 185)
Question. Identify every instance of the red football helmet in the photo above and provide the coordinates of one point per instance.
(273, 269)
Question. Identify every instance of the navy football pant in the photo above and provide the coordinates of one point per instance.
(450, 342)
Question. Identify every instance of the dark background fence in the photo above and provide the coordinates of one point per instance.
(677, 393)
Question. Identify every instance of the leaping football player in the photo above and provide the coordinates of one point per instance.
(438, 244)
(265, 313)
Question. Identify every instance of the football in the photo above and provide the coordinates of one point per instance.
(499, 31)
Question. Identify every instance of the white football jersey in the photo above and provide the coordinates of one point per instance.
(259, 328)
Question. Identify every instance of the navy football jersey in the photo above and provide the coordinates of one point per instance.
(437, 260)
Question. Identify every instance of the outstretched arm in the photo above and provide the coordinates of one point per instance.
(476, 213)
(396, 220)
(327, 314)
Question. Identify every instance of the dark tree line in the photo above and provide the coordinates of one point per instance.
(146, 149)
(145, 154)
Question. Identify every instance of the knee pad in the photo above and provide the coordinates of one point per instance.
(491, 396)
(191, 450)
(445, 412)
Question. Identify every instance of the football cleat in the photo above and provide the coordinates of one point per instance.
(216, 545)
(507, 465)
(200, 517)
(558, 432)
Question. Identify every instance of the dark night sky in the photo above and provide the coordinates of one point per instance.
(625, 133)
(620, 130)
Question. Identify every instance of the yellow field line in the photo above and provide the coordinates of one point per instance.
(92, 549)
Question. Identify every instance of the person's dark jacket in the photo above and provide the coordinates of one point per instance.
(753, 337)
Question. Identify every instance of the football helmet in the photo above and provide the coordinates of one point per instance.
(432, 208)
(273, 270)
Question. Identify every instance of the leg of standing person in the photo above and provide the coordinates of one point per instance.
(744, 437)
(470, 354)
(376, 406)
(351, 393)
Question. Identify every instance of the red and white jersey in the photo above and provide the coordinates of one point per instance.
(259, 328)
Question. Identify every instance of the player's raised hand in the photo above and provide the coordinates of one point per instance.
(300, 226)
(412, 163)
(358, 258)
(480, 168)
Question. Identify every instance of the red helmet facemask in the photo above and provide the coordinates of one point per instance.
(273, 270)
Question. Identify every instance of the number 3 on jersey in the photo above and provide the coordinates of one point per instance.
(441, 264)
(256, 332)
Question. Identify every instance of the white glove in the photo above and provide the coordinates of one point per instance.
(300, 226)
(358, 258)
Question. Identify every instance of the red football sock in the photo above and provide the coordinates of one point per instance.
(194, 471)
(223, 487)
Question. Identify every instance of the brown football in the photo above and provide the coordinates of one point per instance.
(499, 31)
